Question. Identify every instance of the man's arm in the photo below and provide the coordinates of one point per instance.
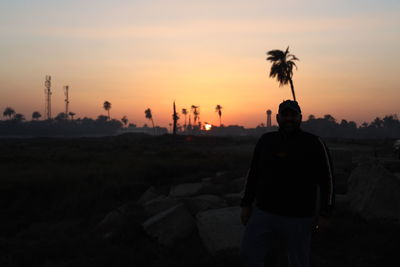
(251, 178)
(326, 181)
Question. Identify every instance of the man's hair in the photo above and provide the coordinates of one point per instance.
(289, 104)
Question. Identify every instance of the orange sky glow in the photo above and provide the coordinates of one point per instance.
(148, 54)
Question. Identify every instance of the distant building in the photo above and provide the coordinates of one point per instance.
(269, 112)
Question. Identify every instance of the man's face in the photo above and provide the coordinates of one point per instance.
(289, 119)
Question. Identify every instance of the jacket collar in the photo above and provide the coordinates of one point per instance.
(285, 134)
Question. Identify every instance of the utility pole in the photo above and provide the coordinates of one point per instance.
(47, 91)
(66, 88)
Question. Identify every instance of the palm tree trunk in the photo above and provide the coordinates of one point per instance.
(175, 120)
(219, 121)
(292, 87)
(108, 114)
(154, 129)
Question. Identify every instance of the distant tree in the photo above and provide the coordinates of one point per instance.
(71, 114)
(36, 115)
(19, 117)
(9, 112)
(377, 122)
(311, 117)
(364, 124)
(102, 118)
(218, 109)
(389, 121)
(329, 118)
(61, 116)
(175, 118)
(282, 67)
(190, 123)
(149, 116)
(196, 113)
(179, 126)
(107, 107)
(352, 125)
(124, 120)
(184, 112)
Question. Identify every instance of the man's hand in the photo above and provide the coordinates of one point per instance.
(245, 215)
(321, 223)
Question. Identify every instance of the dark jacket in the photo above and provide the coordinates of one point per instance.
(285, 171)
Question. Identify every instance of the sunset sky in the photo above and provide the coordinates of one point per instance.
(138, 54)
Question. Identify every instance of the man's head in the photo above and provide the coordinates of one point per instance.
(289, 115)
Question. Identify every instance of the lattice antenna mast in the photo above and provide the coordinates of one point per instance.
(66, 88)
(47, 91)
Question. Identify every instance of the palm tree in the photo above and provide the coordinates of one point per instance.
(124, 120)
(218, 109)
(61, 116)
(9, 112)
(102, 119)
(175, 118)
(190, 122)
(150, 117)
(107, 107)
(36, 115)
(329, 118)
(71, 114)
(282, 67)
(184, 112)
(378, 122)
(364, 124)
(196, 113)
(19, 117)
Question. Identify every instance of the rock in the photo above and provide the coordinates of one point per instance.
(341, 200)
(123, 221)
(342, 179)
(207, 179)
(342, 158)
(233, 199)
(393, 165)
(373, 191)
(159, 204)
(214, 189)
(195, 189)
(221, 177)
(149, 194)
(221, 173)
(204, 202)
(171, 225)
(186, 190)
(49, 230)
(237, 185)
(220, 229)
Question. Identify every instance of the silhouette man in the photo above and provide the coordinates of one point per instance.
(289, 191)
